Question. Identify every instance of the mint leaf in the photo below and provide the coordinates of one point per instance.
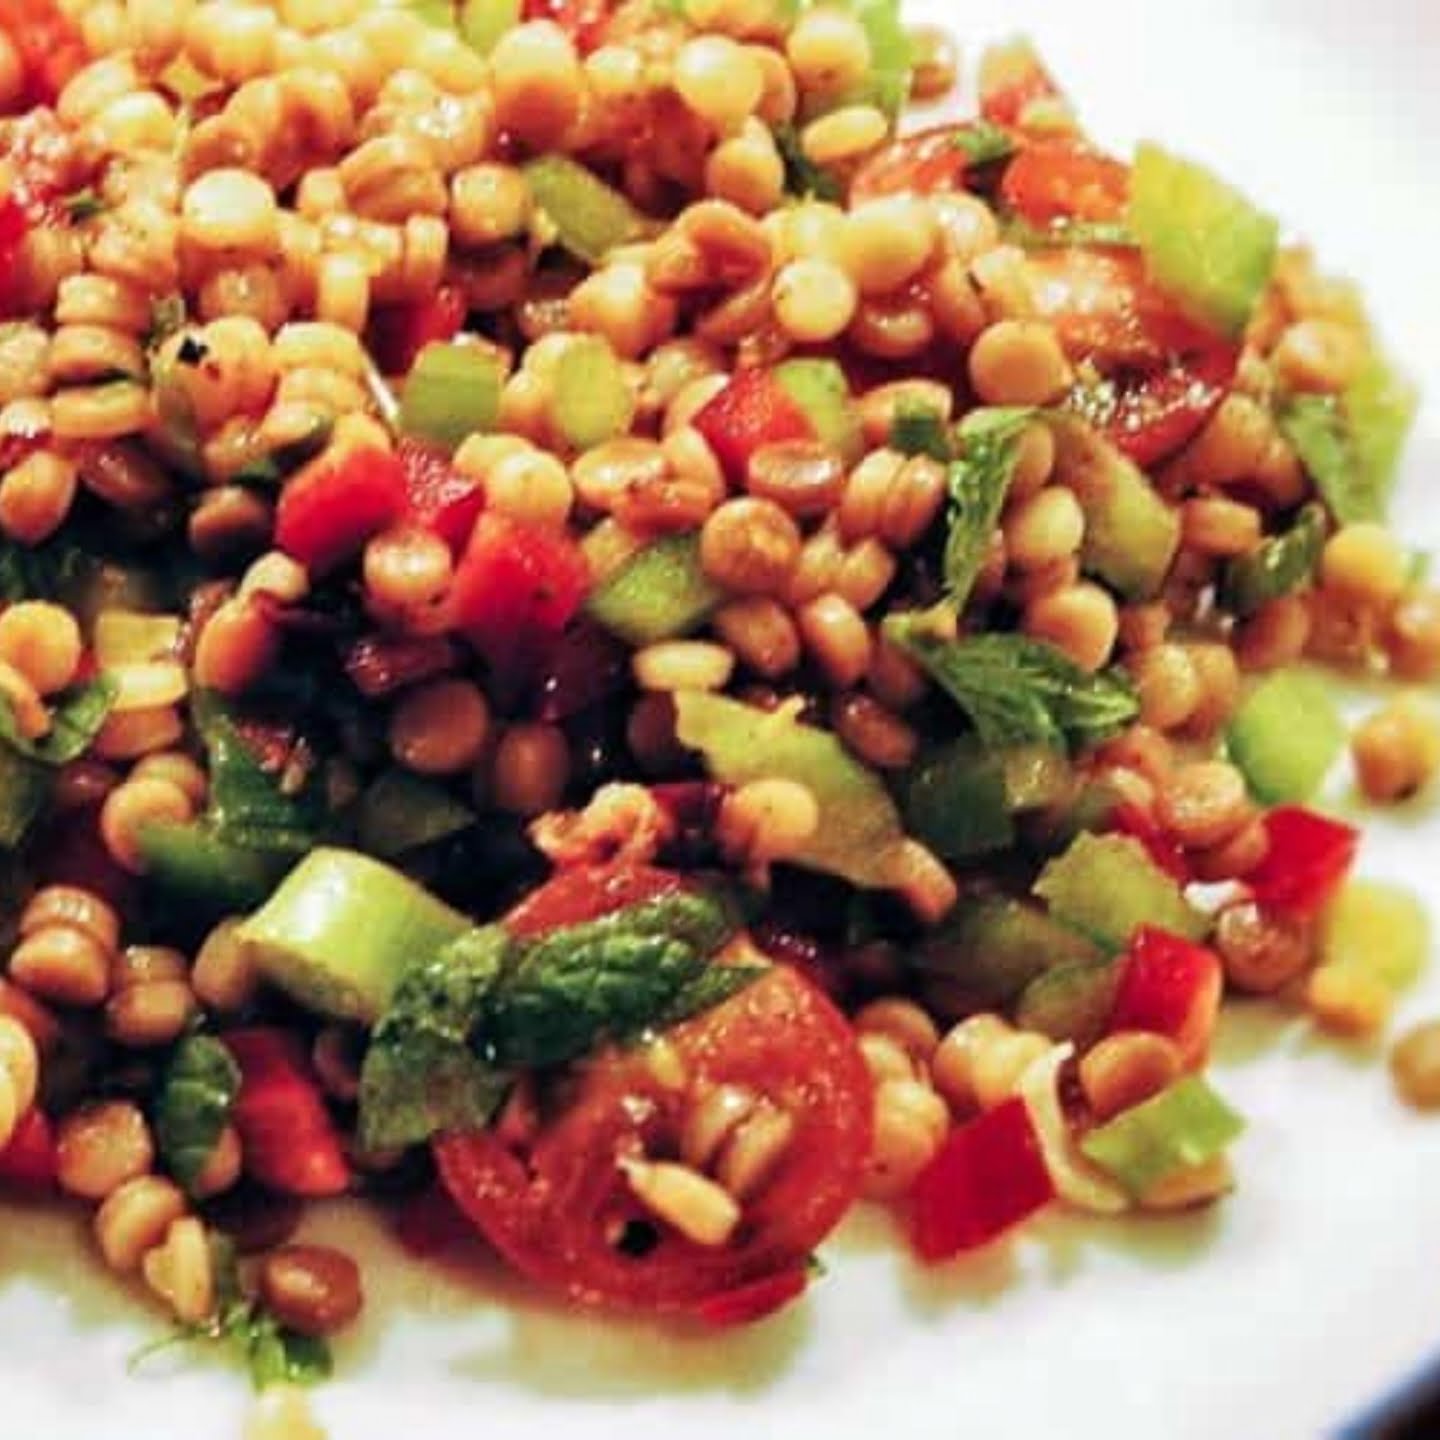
(979, 481)
(984, 143)
(275, 1355)
(1280, 566)
(74, 722)
(25, 787)
(194, 1105)
(713, 986)
(1018, 691)
(803, 178)
(919, 430)
(40, 572)
(421, 1073)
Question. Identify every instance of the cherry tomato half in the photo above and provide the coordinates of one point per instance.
(926, 163)
(1061, 180)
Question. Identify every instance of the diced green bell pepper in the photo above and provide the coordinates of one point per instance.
(452, 392)
(590, 217)
(660, 593)
(1286, 735)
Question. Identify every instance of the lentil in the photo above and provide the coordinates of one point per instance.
(1415, 1066)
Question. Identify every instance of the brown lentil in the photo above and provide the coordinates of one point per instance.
(1411, 638)
(531, 769)
(762, 634)
(1167, 684)
(835, 634)
(100, 1147)
(1415, 1066)
(1396, 751)
(879, 737)
(1204, 804)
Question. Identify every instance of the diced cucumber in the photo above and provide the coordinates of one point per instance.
(891, 56)
(1106, 886)
(590, 217)
(990, 949)
(1285, 736)
(210, 875)
(820, 389)
(1380, 408)
(1203, 241)
(1071, 1002)
(1131, 533)
(451, 392)
(659, 593)
(1379, 928)
(590, 401)
(341, 929)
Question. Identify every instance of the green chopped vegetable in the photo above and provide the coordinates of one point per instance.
(50, 571)
(401, 812)
(1181, 1127)
(420, 1074)
(439, 13)
(984, 143)
(483, 22)
(859, 837)
(193, 1107)
(1378, 928)
(1106, 886)
(590, 400)
(891, 54)
(1286, 735)
(248, 806)
(1283, 564)
(991, 948)
(1203, 241)
(803, 178)
(451, 392)
(341, 930)
(820, 389)
(1099, 234)
(661, 592)
(1071, 1002)
(1351, 446)
(75, 721)
(919, 430)
(1018, 691)
(25, 787)
(979, 482)
(590, 217)
(195, 866)
(1131, 534)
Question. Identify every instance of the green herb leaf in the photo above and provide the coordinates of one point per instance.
(1283, 564)
(247, 805)
(804, 178)
(25, 787)
(979, 481)
(196, 1097)
(84, 205)
(421, 1074)
(984, 143)
(401, 812)
(74, 723)
(1018, 691)
(919, 430)
(40, 572)
(278, 1356)
(713, 986)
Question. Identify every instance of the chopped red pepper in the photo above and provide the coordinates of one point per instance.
(749, 1303)
(27, 1162)
(291, 1143)
(441, 499)
(49, 46)
(515, 590)
(398, 333)
(1307, 860)
(1063, 180)
(335, 504)
(1133, 820)
(1169, 986)
(754, 409)
(989, 1176)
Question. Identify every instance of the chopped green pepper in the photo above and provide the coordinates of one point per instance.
(452, 391)
(1286, 735)
(1282, 565)
(659, 593)
(590, 217)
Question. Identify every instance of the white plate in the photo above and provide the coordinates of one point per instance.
(1304, 1296)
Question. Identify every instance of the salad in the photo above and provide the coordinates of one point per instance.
(609, 641)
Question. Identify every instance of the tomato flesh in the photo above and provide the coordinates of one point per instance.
(929, 162)
(1065, 181)
(335, 504)
(440, 499)
(398, 333)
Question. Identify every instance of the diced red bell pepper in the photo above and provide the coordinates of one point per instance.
(440, 498)
(328, 510)
(27, 1163)
(754, 409)
(749, 1303)
(989, 1176)
(1131, 819)
(398, 333)
(1170, 986)
(515, 590)
(290, 1142)
(1306, 862)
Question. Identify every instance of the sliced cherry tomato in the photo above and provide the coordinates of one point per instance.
(27, 1163)
(988, 1177)
(929, 162)
(398, 333)
(754, 409)
(584, 21)
(440, 498)
(1170, 986)
(1306, 862)
(515, 590)
(564, 1214)
(586, 892)
(50, 48)
(291, 1143)
(328, 510)
(1063, 180)
(755, 1301)
(1012, 79)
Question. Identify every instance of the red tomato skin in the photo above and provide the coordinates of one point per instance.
(438, 497)
(989, 1175)
(551, 1215)
(27, 1163)
(1170, 986)
(757, 1301)
(1160, 414)
(754, 409)
(515, 590)
(1062, 180)
(431, 1225)
(398, 333)
(930, 162)
(291, 1144)
(1005, 98)
(328, 510)
(1306, 862)
(587, 892)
